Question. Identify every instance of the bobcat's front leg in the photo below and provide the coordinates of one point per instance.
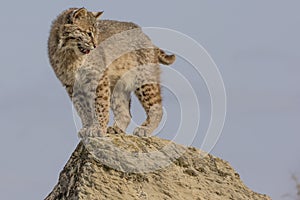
(103, 103)
(91, 100)
(120, 104)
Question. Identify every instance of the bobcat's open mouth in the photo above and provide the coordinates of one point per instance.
(83, 50)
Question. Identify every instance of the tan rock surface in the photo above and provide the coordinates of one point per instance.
(129, 167)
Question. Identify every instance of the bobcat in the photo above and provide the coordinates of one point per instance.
(77, 38)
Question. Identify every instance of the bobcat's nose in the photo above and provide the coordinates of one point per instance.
(92, 46)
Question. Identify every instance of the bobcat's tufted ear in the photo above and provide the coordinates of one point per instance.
(79, 13)
(97, 14)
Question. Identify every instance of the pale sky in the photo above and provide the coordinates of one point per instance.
(255, 45)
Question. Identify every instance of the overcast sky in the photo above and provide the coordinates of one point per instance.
(255, 45)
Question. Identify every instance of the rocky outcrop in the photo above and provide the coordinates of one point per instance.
(129, 167)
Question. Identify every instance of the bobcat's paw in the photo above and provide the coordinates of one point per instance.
(93, 131)
(114, 130)
(141, 132)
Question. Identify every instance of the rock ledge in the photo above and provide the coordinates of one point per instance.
(184, 173)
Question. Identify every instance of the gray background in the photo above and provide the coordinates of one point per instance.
(254, 43)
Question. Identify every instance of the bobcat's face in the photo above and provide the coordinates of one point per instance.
(80, 32)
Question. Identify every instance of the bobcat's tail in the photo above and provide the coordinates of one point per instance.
(164, 58)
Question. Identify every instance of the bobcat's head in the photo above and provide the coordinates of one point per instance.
(79, 32)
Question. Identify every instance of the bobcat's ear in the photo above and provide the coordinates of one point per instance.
(97, 14)
(79, 13)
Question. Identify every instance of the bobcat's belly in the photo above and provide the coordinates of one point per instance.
(125, 81)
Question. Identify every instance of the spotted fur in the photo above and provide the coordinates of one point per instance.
(72, 48)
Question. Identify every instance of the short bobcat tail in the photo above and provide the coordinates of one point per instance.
(165, 58)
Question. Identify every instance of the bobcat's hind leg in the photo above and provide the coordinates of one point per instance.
(150, 97)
